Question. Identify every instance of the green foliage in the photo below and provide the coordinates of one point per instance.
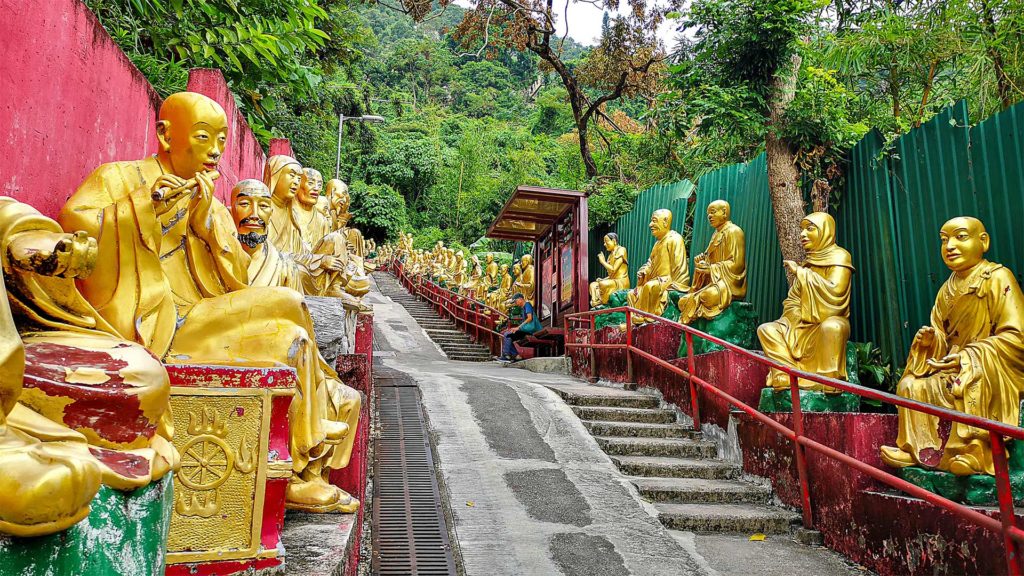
(873, 369)
(610, 202)
(379, 211)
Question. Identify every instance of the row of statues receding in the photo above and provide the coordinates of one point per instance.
(970, 358)
(144, 266)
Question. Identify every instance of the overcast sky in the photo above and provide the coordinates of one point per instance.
(584, 22)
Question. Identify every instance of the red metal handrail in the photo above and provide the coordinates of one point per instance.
(1005, 525)
(449, 301)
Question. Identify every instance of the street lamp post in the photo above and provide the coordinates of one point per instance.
(341, 132)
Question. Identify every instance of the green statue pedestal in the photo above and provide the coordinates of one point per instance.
(813, 401)
(125, 534)
(617, 299)
(737, 325)
(976, 489)
(810, 401)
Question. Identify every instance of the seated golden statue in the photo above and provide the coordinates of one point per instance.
(618, 271)
(351, 278)
(720, 272)
(93, 406)
(498, 299)
(665, 270)
(338, 196)
(172, 275)
(815, 323)
(490, 278)
(525, 283)
(312, 223)
(458, 271)
(474, 284)
(970, 359)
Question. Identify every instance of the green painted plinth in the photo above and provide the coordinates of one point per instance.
(810, 401)
(618, 298)
(737, 325)
(976, 489)
(672, 308)
(125, 534)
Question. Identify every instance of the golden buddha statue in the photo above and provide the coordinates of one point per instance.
(490, 278)
(970, 359)
(351, 277)
(78, 403)
(720, 272)
(338, 196)
(312, 223)
(252, 208)
(665, 270)
(172, 276)
(815, 323)
(618, 271)
(499, 298)
(473, 286)
(525, 282)
(458, 270)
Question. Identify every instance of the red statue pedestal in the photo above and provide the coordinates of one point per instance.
(231, 428)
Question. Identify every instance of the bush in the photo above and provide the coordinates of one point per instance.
(610, 202)
(378, 210)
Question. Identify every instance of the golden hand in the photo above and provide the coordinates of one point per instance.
(925, 337)
(791, 266)
(202, 200)
(332, 263)
(167, 191)
(945, 364)
(53, 254)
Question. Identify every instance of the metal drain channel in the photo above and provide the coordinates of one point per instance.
(410, 535)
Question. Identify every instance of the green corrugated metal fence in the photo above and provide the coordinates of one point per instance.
(745, 188)
(632, 228)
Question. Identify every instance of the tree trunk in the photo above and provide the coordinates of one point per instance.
(783, 175)
(1002, 79)
(588, 159)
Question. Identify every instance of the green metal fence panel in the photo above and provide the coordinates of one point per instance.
(866, 227)
(632, 227)
(745, 188)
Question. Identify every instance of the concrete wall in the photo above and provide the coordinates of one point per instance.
(72, 101)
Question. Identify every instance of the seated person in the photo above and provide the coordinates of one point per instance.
(529, 325)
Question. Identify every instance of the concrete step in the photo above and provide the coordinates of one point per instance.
(733, 518)
(699, 490)
(648, 415)
(675, 447)
(451, 339)
(462, 358)
(639, 430)
(667, 467)
(621, 400)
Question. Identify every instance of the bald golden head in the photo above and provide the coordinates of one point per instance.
(719, 213)
(661, 222)
(193, 131)
(964, 243)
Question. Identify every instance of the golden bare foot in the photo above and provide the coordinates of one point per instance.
(314, 496)
(965, 465)
(43, 490)
(896, 458)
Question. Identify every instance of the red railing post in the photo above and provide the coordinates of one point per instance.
(1005, 494)
(694, 398)
(801, 459)
(593, 351)
(629, 346)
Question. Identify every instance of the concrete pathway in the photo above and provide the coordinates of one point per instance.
(530, 490)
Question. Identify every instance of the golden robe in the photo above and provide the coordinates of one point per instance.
(617, 279)
(352, 280)
(124, 391)
(178, 285)
(665, 270)
(815, 323)
(312, 224)
(982, 318)
(526, 284)
(724, 279)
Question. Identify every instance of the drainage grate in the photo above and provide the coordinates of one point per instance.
(410, 536)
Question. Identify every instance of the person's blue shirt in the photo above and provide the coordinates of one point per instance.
(534, 324)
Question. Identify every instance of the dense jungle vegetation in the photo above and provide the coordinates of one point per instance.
(481, 99)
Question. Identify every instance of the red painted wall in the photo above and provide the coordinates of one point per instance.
(71, 100)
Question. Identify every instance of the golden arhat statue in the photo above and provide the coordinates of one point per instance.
(618, 271)
(350, 279)
(815, 323)
(525, 283)
(498, 299)
(720, 272)
(312, 223)
(68, 352)
(665, 270)
(970, 359)
(252, 208)
(172, 276)
(490, 272)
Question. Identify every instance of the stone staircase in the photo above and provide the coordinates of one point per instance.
(454, 342)
(674, 467)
